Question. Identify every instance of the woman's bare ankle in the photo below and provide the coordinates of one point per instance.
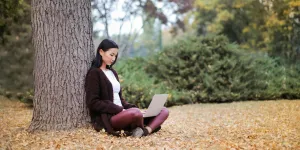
(149, 129)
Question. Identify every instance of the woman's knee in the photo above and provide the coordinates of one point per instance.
(135, 113)
(165, 112)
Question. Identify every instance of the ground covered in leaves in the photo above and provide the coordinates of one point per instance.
(238, 125)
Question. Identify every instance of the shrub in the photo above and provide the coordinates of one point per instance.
(215, 70)
(25, 97)
(197, 69)
(138, 88)
(290, 83)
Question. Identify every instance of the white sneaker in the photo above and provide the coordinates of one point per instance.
(137, 132)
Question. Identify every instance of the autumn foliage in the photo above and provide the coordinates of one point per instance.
(238, 125)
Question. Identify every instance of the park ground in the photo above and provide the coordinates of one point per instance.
(237, 125)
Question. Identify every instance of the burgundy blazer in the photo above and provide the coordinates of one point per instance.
(99, 99)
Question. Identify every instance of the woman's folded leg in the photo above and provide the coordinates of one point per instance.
(129, 118)
(158, 120)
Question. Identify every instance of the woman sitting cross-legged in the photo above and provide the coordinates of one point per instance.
(108, 109)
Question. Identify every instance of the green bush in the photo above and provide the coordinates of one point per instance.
(138, 88)
(290, 83)
(215, 70)
(8, 94)
(197, 69)
(16, 50)
(25, 97)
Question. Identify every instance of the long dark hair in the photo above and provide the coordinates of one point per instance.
(105, 45)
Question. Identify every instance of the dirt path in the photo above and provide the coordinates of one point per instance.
(239, 125)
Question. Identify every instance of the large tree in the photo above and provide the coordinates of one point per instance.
(62, 39)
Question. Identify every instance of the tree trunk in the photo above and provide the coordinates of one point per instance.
(62, 39)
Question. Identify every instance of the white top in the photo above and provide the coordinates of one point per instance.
(115, 85)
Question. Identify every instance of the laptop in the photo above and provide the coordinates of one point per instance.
(156, 105)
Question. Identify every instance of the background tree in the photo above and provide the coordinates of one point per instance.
(284, 28)
(62, 39)
(119, 13)
(148, 42)
(257, 25)
(241, 21)
(131, 10)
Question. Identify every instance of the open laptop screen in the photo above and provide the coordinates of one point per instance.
(156, 105)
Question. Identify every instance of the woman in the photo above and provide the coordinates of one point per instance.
(108, 109)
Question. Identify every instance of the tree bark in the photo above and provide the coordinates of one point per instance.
(62, 39)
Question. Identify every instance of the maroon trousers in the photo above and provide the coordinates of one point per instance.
(133, 117)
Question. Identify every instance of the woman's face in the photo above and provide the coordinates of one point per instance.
(109, 56)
